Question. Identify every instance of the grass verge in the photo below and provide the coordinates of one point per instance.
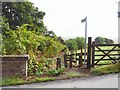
(11, 81)
(72, 74)
(75, 74)
(100, 70)
(19, 81)
(34, 79)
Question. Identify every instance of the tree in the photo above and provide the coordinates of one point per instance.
(80, 42)
(71, 44)
(19, 13)
(100, 40)
(50, 34)
(109, 41)
(15, 14)
(61, 40)
(24, 33)
(4, 25)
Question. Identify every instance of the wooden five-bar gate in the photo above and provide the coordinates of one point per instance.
(96, 55)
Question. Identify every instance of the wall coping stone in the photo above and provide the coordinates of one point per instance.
(16, 57)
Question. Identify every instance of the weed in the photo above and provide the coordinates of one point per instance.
(55, 72)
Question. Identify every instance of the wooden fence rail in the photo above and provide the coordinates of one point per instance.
(91, 60)
(111, 54)
(73, 58)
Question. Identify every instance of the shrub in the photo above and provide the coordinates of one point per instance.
(40, 66)
(23, 41)
(54, 72)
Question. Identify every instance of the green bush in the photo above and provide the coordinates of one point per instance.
(55, 72)
(61, 70)
(40, 66)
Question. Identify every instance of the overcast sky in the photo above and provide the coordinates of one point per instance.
(64, 17)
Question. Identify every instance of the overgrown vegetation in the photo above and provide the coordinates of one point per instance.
(24, 33)
(54, 72)
(113, 68)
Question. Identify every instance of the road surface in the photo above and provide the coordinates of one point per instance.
(104, 81)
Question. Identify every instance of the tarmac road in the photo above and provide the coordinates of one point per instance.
(104, 81)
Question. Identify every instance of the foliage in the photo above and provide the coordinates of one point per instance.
(23, 41)
(80, 42)
(55, 72)
(61, 40)
(101, 40)
(61, 70)
(15, 14)
(75, 43)
(39, 67)
(72, 45)
(19, 13)
(4, 25)
(113, 68)
(20, 41)
(24, 33)
(109, 41)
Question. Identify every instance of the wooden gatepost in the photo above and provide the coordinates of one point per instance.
(89, 52)
(65, 60)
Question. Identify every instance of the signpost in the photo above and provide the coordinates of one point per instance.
(85, 20)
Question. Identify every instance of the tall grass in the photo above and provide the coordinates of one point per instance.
(113, 68)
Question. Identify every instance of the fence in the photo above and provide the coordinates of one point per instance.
(69, 59)
(104, 54)
(72, 58)
(111, 54)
